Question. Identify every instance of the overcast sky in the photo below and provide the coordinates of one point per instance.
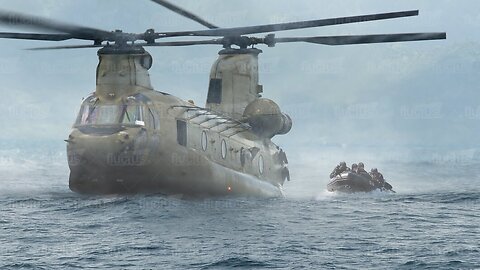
(408, 94)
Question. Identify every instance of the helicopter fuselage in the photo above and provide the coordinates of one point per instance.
(129, 138)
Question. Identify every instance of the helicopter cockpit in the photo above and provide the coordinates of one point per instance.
(127, 114)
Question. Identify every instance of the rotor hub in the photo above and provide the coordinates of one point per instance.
(253, 51)
(121, 49)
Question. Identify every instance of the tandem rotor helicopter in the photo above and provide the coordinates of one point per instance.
(129, 138)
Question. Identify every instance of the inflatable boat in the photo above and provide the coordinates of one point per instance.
(351, 182)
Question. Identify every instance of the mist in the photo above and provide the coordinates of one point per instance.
(383, 103)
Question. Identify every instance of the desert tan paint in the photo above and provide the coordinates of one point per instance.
(158, 162)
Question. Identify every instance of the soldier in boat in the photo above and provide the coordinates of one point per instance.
(339, 169)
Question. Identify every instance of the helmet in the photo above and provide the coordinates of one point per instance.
(374, 170)
(354, 165)
(361, 165)
(343, 163)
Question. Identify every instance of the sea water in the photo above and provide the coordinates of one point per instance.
(432, 222)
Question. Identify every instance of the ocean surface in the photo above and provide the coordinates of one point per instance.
(432, 222)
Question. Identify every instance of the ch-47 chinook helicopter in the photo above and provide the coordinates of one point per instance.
(129, 138)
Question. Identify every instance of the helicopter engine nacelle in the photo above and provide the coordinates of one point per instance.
(266, 118)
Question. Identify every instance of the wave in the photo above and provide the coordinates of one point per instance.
(471, 197)
(237, 262)
(22, 266)
(452, 264)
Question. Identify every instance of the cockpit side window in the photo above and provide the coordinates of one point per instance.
(182, 132)
(152, 121)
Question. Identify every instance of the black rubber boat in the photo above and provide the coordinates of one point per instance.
(350, 182)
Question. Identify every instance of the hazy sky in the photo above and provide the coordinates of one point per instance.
(420, 93)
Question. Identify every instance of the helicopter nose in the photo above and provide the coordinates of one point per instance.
(106, 163)
(122, 148)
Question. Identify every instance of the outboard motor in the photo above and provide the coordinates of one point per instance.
(266, 118)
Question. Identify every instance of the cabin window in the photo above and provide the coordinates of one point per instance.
(261, 164)
(204, 140)
(182, 132)
(224, 149)
(215, 91)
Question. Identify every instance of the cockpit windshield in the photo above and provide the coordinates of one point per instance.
(132, 114)
(101, 115)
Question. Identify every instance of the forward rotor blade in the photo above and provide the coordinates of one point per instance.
(157, 44)
(185, 13)
(48, 37)
(65, 47)
(33, 22)
(238, 31)
(365, 39)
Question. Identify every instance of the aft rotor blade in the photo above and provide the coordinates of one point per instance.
(48, 37)
(238, 31)
(184, 43)
(185, 13)
(365, 39)
(8, 18)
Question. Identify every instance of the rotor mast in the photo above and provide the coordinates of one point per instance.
(122, 71)
(234, 81)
